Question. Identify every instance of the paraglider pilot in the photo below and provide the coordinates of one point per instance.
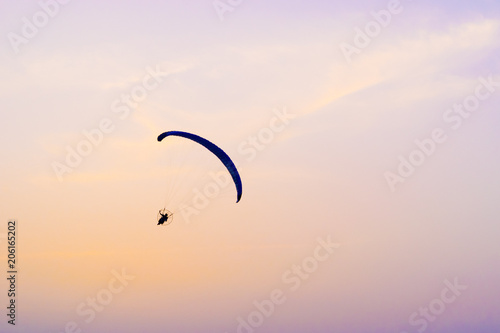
(163, 218)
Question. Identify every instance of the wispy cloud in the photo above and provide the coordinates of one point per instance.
(425, 66)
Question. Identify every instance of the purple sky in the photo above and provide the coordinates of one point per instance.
(385, 143)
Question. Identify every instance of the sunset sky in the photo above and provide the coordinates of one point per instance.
(366, 136)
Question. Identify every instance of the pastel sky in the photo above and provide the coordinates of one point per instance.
(370, 151)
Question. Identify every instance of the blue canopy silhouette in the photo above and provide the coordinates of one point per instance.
(223, 157)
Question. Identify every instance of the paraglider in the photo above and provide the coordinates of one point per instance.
(165, 215)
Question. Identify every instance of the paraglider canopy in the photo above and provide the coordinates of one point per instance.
(223, 157)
